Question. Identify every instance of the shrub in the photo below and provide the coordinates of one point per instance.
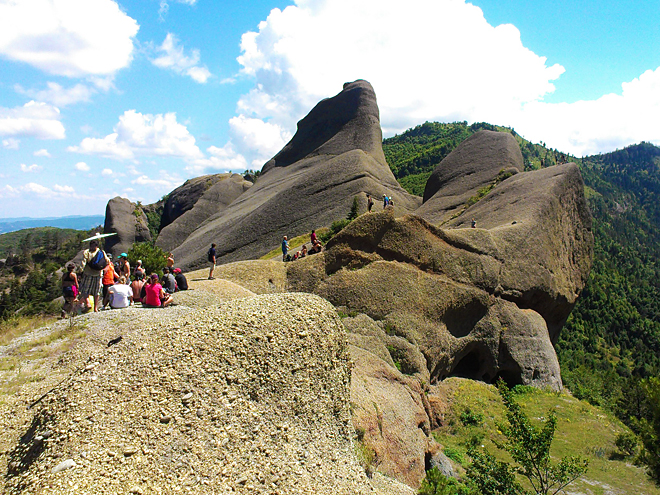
(471, 418)
(435, 483)
(153, 258)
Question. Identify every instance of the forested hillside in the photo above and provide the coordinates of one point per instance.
(612, 339)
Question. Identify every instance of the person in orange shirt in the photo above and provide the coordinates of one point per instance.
(109, 277)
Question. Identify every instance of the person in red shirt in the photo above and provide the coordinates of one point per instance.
(155, 295)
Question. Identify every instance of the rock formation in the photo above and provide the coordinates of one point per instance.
(220, 191)
(335, 155)
(129, 222)
(475, 163)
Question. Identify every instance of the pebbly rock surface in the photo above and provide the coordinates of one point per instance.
(336, 155)
(249, 396)
(475, 163)
(129, 222)
(196, 202)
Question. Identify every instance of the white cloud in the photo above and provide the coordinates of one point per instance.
(82, 166)
(487, 72)
(42, 152)
(73, 38)
(10, 143)
(172, 57)
(139, 134)
(221, 159)
(33, 119)
(165, 6)
(164, 182)
(106, 172)
(31, 168)
(255, 137)
(34, 189)
(58, 95)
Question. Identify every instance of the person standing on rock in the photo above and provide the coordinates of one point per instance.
(125, 267)
(69, 289)
(109, 278)
(386, 200)
(90, 283)
(370, 203)
(285, 246)
(211, 257)
(313, 239)
(170, 261)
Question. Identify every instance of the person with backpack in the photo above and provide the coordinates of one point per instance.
(211, 257)
(94, 260)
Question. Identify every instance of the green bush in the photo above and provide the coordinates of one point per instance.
(471, 418)
(153, 258)
(435, 483)
(627, 444)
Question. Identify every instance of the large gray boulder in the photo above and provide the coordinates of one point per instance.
(335, 156)
(129, 222)
(222, 191)
(184, 197)
(478, 162)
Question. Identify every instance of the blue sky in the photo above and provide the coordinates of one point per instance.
(101, 98)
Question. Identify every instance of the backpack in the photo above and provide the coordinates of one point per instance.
(98, 262)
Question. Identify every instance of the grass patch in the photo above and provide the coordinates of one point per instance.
(294, 243)
(19, 325)
(582, 430)
(42, 347)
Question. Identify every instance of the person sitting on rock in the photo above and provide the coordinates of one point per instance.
(155, 296)
(137, 285)
(180, 278)
(119, 295)
(125, 267)
(303, 251)
(169, 283)
(69, 289)
(170, 260)
(139, 269)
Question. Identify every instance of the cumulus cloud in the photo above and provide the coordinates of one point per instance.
(33, 189)
(58, 95)
(172, 57)
(42, 152)
(82, 167)
(72, 38)
(164, 182)
(256, 137)
(139, 134)
(30, 168)
(222, 159)
(10, 143)
(106, 172)
(34, 119)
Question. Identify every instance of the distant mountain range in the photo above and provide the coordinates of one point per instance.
(77, 222)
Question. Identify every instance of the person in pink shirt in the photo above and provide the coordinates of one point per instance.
(155, 295)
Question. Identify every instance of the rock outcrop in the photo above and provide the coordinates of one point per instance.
(246, 397)
(217, 192)
(335, 156)
(129, 222)
(476, 163)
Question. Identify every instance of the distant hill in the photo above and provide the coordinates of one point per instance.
(76, 222)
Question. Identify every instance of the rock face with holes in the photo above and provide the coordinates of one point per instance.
(335, 156)
(129, 222)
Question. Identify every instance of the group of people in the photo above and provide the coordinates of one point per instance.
(316, 247)
(114, 285)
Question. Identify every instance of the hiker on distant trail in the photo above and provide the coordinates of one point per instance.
(169, 284)
(303, 251)
(285, 246)
(69, 289)
(181, 281)
(386, 200)
(119, 295)
(474, 223)
(211, 258)
(109, 278)
(313, 238)
(170, 260)
(139, 269)
(136, 286)
(93, 262)
(370, 203)
(155, 296)
(125, 267)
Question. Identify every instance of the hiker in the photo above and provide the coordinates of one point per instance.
(385, 201)
(303, 251)
(119, 295)
(312, 237)
(109, 277)
(139, 269)
(474, 223)
(370, 203)
(124, 267)
(137, 285)
(170, 260)
(93, 262)
(211, 257)
(69, 289)
(155, 296)
(169, 284)
(285, 247)
(180, 278)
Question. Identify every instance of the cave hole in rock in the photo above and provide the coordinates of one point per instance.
(510, 377)
(427, 461)
(470, 366)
